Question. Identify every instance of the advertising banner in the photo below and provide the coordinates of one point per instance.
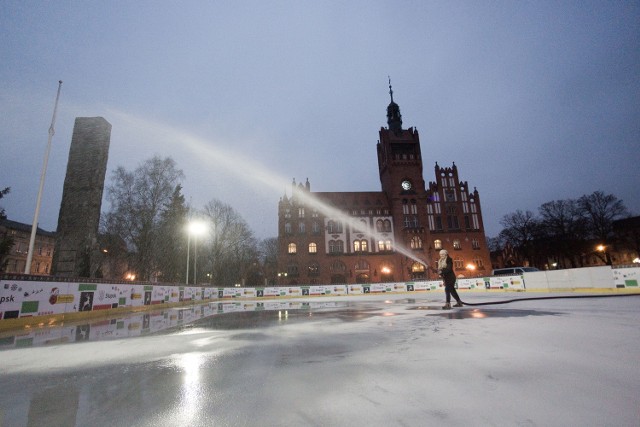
(626, 277)
(475, 283)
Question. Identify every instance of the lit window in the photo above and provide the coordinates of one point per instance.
(456, 244)
(313, 248)
(292, 248)
(416, 267)
(384, 245)
(416, 242)
(437, 244)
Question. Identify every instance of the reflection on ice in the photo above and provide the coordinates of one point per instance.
(236, 315)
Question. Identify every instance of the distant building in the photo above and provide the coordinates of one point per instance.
(77, 252)
(16, 259)
(383, 236)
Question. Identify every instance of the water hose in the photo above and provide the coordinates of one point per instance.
(545, 298)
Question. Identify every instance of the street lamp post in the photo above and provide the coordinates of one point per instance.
(194, 228)
(607, 257)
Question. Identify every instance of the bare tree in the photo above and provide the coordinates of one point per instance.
(138, 201)
(563, 229)
(268, 254)
(232, 247)
(520, 232)
(600, 211)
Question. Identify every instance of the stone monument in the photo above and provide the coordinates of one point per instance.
(76, 249)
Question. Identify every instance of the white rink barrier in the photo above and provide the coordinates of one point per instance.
(28, 298)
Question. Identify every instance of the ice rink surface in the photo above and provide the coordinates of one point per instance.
(375, 360)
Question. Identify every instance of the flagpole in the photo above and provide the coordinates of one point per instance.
(34, 225)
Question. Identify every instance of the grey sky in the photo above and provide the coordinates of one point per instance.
(533, 101)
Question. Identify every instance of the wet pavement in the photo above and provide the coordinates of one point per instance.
(373, 360)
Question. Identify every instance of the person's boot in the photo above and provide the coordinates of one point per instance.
(458, 304)
(447, 306)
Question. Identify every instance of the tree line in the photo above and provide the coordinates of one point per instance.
(564, 232)
(145, 233)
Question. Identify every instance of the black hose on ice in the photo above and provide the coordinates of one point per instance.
(544, 298)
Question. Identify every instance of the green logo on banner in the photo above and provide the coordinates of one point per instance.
(29, 307)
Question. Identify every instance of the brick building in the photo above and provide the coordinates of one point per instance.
(390, 235)
(16, 259)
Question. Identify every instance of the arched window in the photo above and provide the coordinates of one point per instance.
(338, 267)
(292, 270)
(302, 228)
(387, 225)
(313, 248)
(384, 245)
(292, 248)
(360, 245)
(336, 246)
(416, 242)
(414, 207)
(334, 227)
(417, 267)
(314, 269)
(379, 226)
(361, 265)
(405, 206)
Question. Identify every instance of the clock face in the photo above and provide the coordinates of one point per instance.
(406, 185)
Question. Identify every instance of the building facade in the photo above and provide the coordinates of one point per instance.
(391, 235)
(16, 258)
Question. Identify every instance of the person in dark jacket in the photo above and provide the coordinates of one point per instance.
(445, 270)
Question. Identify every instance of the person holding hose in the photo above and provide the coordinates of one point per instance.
(445, 270)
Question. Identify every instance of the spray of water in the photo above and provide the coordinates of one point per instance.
(211, 154)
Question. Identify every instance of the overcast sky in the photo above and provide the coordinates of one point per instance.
(533, 101)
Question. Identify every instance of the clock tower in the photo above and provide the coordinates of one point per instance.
(400, 169)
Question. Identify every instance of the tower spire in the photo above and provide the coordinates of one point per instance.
(394, 118)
